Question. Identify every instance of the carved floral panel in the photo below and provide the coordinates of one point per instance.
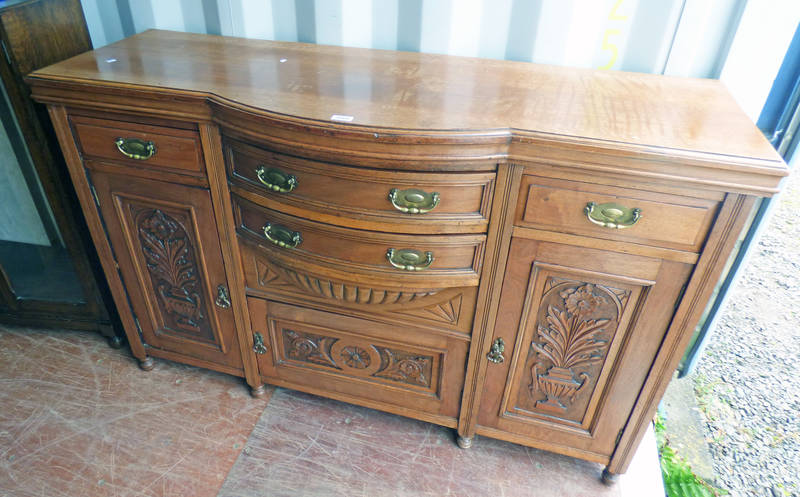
(359, 358)
(575, 324)
(170, 258)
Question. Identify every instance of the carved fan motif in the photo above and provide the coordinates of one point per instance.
(448, 311)
(274, 275)
(170, 260)
(576, 323)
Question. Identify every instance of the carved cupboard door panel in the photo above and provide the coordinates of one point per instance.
(579, 328)
(165, 241)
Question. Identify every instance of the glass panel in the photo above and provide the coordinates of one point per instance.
(33, 258)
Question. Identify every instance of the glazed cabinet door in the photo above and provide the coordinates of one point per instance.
(166, 244)
(577, 329)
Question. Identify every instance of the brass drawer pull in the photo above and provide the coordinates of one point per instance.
(413, 201)
(282, 236)
(223, 299)
(409, 259)
(135, 148)
(496, 352)
(612, 215)
(276, 180)
(258, 343)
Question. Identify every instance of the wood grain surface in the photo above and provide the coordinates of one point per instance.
(406, 90)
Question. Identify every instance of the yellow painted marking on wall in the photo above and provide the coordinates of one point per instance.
(614, 15)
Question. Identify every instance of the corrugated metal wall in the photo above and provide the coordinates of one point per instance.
(631, 35)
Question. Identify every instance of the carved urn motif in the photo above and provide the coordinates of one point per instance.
(570, 339)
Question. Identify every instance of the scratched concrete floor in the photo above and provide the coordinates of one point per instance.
(78, 418)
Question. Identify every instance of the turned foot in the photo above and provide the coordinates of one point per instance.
(609, 478)
(258, 392)
(464, 442)
(147, 364)
(115, 341)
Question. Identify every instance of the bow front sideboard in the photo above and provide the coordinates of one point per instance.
(511, 250)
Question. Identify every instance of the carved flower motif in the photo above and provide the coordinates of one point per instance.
(356, 357)
(582, 301)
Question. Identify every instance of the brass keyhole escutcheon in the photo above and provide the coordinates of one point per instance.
(495, 354)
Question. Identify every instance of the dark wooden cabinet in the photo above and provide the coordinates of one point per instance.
(510, 250)
(49, 273)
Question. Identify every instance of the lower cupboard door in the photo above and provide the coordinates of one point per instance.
(393, 367)
(581, 328)
(167, 246)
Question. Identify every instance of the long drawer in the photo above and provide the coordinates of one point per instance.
(387, 260)
(414, 372)
(380, 200)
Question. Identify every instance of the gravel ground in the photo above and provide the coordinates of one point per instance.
(748, 382)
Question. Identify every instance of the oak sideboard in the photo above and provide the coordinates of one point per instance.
(511, 250)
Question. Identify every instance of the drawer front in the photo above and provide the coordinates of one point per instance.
(176, 150)
(448, 260)
(664, 220)
(363, 198)
(366, 361)
(450, 309)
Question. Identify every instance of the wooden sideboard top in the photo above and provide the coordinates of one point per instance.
(432, 93)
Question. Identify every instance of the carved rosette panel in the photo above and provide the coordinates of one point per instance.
(575, 324)
(359, 359)
(170, 257)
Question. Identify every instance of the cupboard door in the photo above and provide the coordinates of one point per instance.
(580, 328)
(166, 243)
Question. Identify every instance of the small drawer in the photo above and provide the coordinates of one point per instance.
(663, 220)
(371, 199)
(417, 372)
(384, 259)
(143, 145)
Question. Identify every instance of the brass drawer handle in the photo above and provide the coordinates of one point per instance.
(409, 259)
(496, 352)
(135, 148)
(276, 180)
(223, 299)
(258, 343)
(282, 236)
(413, 201)
(612, 215)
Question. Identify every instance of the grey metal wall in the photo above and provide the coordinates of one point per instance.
(632, 35)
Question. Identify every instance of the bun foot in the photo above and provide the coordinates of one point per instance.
(609, 478)
(258, 392)
(464, 442)
(115, 341)
(147, 364)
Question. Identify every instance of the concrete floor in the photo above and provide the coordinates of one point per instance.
(78, 418)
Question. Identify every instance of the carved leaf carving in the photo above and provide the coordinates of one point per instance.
(577, 321)
(309, 348)
(404, 367)
(167, 249)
